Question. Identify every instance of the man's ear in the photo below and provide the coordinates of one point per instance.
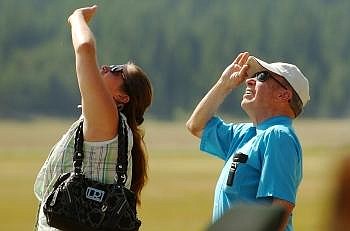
(286, 95)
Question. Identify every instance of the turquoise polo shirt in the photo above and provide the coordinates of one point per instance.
(273, 167)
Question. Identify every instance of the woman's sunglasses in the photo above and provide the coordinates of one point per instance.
(118, 68)
(265, 75)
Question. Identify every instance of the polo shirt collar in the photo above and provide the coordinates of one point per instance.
(276, 120)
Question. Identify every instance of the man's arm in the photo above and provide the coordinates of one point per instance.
(231, 78)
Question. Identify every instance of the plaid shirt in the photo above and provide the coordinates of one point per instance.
(99, 164)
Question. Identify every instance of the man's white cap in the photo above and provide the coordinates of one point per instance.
(290, 72)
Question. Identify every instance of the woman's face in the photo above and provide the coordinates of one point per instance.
(113, 79)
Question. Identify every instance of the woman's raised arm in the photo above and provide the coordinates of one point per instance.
(99, 109)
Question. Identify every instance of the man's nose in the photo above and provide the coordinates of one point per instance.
(250, 81)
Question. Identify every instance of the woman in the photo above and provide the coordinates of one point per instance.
(105, 92)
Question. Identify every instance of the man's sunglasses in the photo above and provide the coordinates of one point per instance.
(265, 75)
(118, 68)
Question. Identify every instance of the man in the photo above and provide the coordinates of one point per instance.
(263, 159)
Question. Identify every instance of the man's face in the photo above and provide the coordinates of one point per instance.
(259, 96)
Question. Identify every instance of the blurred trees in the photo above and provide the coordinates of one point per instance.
(183, 45)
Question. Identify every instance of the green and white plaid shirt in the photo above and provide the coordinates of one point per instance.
(99, 164)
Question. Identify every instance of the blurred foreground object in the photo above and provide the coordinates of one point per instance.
(250, 218)
(340, 214)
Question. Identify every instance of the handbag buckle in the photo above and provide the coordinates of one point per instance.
(121, 178)
(94, 194)
(120, 175)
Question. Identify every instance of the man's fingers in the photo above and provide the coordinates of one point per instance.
(238, 58)
(243, 59)
(243, 72)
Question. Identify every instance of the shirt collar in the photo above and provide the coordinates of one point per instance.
(276, 120)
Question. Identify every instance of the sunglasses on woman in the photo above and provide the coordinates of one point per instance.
(118, 68)
(265, 75)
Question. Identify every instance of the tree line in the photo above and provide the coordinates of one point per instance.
(183, 45)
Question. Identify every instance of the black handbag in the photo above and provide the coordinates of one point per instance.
(79, 203)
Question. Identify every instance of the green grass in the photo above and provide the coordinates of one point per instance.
(179, 193)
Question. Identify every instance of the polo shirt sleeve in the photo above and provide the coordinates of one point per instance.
(281, 166)
(217, 137)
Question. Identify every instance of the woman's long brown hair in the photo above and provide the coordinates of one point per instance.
(139, 89)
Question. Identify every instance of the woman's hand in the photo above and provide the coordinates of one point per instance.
(86, 12)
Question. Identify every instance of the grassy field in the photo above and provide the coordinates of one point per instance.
(182, 179)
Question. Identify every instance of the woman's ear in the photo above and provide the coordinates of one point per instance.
(122, 98)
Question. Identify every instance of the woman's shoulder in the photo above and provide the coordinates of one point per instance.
(114, 140)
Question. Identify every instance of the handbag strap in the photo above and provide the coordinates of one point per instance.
(122, 159)
(78, 150)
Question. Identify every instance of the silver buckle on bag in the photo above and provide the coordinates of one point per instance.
(94, 194)
(120, 175)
